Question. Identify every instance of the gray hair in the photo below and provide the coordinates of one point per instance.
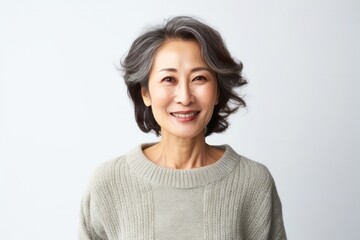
(137, 65)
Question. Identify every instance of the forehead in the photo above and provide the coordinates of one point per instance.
(178, 51)
(178, 43)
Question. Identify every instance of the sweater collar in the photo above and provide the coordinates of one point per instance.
(152, 173)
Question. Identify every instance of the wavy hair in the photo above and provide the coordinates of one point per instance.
(137, 64)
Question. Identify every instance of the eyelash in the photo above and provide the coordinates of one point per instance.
(199, 78)
(170, 79)
(167, 79)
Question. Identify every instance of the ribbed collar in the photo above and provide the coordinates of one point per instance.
(145, 169)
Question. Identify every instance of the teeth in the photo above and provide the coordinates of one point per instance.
(181, 115)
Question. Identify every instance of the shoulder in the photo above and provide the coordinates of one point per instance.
(246, 165)
(114, 172)
(254, 168)
(106, 174)
(254, 174)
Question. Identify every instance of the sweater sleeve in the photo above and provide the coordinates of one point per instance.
(98, 211)
(266, 221)
(87, 228)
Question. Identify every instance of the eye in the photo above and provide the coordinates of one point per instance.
(168, 79)
(199, 78)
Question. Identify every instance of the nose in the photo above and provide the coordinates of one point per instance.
(184, 94)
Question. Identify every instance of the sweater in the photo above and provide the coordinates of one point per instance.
(132, 198)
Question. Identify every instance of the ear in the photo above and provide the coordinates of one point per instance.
(217, 97)
(145, 96)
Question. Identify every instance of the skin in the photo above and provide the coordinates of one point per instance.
(182, 93)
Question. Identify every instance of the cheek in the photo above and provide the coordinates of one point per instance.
(160, 99)
(208, 96)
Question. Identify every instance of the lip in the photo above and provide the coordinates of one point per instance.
(185, 116)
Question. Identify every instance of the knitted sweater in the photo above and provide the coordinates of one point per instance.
(132, 198)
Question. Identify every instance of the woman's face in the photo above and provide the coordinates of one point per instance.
(182, 89)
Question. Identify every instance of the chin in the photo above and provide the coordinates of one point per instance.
(186, 133)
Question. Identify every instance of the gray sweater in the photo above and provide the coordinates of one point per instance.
(132, 198)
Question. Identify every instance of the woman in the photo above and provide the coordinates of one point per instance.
(181, 79)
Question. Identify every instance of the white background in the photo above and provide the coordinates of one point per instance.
(64, 108)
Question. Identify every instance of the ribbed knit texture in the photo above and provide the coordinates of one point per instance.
(132, 198)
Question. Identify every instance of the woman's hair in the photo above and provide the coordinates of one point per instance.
(137, 65)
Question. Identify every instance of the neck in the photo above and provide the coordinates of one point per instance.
(182, 153)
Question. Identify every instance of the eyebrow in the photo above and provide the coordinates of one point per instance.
(192, 70)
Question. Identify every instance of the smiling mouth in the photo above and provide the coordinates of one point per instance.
(185, 116)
